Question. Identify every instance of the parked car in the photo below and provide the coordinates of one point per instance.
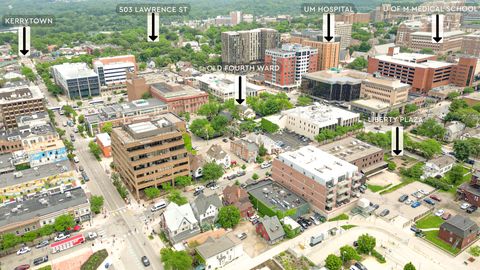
(439, 212)
(199, 188)
(375, 206)
(472, 209)
(197, 192)
(61, 236)
(416, 204)
(44, 243)
(464, 206)
(80, 168)
(85, 176)
(420, 234)
(423, 192)
(385, 212)
(403, 198)
(242, 236)
(40, 260)
(225, 140)
(429, 201)
(241, 173)
(92, 235)
(355, 244)
(210, 184)
(415, 229)
(266, 165)
(215, 186)
(22, 267)
(145, 261)
(446, 216)
(255, 222)
(435, 197)
(360, 266)
(314, 220)
(408, 202)
(23, 250)
(232, 176)
(320, 217)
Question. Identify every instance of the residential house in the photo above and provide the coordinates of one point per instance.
(216, 154)
(269, 144)
(217, 253)
(206, 208)
(459, 231)
(244, 149)
(453, 131)
(234, 195)
(179, 222)
(246, 112)
(196, 165)
(270, 229)
(438, 166)
(470, 192)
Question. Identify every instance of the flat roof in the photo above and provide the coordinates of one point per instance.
(411, 60)
(283, 198)
(38, 207)
(386, 81)
(20, 93)
(104, 139)
(350, 149)
(374, 104)
(445, 34)
(342, 76)
(34, 173)
(318, 165)
(224, 82)
(173, 90)
(320, 114)
(74, 70)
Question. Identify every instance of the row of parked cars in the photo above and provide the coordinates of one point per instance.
(307, 222)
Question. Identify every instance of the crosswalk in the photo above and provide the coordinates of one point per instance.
(134, 257)
(118, 212)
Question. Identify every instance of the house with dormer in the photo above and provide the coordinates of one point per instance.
(216, 154)
(205, 208)
(217, 253)
(179, 222)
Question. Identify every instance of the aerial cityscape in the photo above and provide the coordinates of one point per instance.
(240, 135)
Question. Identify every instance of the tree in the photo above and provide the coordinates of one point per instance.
(61, 132)
(427, 51)
(107, 128)
(468, 90)
(304, 100)
(79, 103)
(366, 243)
(212, 171)
(219, 123)
(348, 253)
(95, 149)
(358, 64)
(176, 197)
(262, 151)
(228, 216)
(9, 240)
(146, 95)
(453, 95)
(455, 175)
(183, 181)
(410, 108)
(430, 128)
(63, 222)
(28, 73)
(202, 128)
(81, 118)
(393, 113)
(175, 260)
(461, 150)
(457, 104)
(255, 176)
(209, 109)
(96, 204)
(152, 192)
(268, 126)
(409, 266)
(333, 262)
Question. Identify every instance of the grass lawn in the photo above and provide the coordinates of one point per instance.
(405, 182)
(188, 143)
(340, 217)
(432, 237)
(430, 221)
(467, 177)
(347, 227)
(376, 188)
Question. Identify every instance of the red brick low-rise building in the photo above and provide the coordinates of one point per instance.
(270, 229)
(246, 150)
(234, 195)
(459, 231)
(470, 192)
(179, 98)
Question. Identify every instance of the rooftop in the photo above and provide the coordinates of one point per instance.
(34, 173)
(74, 70)
(413, 60)
(274, 195)
(19, 93)
(318, 165)
(175, 90)
(341, 76)
(350, 149)
(371, 103)
(445, 34)
(41, 205)
(213, 247)
(224, 82)
(392, 83)
(164, 124)
(114, 59)
(442, 161)
(320, 114)
(104, 139)
(460, 225)
(174, 215)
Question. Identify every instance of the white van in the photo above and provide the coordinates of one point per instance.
(159, 205)
(75, 159)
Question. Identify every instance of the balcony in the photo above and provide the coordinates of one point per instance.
(342, 197)
(330, 195)
(342, 183)
(342, 190)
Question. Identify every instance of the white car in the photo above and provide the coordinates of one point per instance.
(423, 192)
(253, 217)
(408, 202)
(199, 188)
(92, 235)
(61, 237)
(214, 187)
(440, 213)
(464, 206)
(23, 250)
(265, 165)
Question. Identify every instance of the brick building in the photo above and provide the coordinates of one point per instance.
(245, 150)
(328, 52)
(293, 61)
(19, 100)
(179, 98)
(470, 191)
(103, 140)
(237, 196)
(459, 231)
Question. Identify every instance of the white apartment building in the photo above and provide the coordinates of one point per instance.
(438, 166)
(112, 71)
(222, 86)
(310, 120)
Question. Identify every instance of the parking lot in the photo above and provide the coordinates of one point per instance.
(292, 141)
(449, 205)
(398, 209)
(253, 245)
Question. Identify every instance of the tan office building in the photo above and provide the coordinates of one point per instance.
(150, 153)
(17, 101)
(452, 41)
(388, 90)
(328, 52)
(471, 44)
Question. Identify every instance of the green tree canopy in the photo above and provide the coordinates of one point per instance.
(228, 216)
(175, 196)
(107, 128)
(63, 222)
(152, 192)
(333, 262)
(96, 204)
(348, 253)
(175, 260)
(366, 243)
(409, 266)
(212, 171)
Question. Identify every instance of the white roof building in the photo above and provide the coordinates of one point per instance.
(179, 222)
(222, 85)
(104, 139)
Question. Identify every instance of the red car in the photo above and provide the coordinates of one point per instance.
(446, 216)
(435, 197)
(22, 267)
